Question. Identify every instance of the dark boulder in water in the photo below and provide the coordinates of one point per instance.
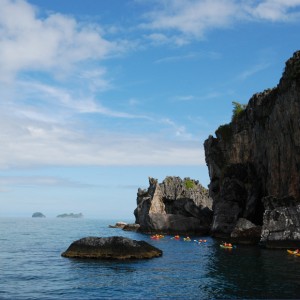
(115, 247)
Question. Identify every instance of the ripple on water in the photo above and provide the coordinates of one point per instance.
(30, 260)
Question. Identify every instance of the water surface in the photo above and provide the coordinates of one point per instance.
(31, 266)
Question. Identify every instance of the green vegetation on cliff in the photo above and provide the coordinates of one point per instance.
(189, 184)
(224, 131)
(238, 109)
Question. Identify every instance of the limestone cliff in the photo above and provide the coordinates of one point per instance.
(174, 206)
(257, 155)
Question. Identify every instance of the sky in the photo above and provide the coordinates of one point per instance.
(98, 95)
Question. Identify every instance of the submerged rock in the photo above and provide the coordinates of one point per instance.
(174, 206)
(115, 247)
(38, 215)
(258, 155)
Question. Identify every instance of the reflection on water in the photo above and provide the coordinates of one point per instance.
(30, 260)
(251, 272)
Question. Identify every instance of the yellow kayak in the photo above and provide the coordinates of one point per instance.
(293, 252)
(187, 239)
(226, 247)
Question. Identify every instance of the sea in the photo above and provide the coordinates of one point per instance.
(31, 266)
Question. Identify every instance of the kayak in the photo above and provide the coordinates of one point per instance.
(293, 252)
(187, 239)
(157, 237)
(226, 247)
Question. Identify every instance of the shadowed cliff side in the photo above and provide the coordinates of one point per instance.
(258, 155)
(174, 206)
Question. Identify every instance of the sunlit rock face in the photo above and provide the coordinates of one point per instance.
(174, 206)
(257, 155)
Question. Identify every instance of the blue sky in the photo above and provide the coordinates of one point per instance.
(95, 96)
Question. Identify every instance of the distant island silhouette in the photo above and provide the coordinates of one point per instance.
(38, 215)
(71, 215)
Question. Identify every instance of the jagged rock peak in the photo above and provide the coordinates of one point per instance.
(291, 71)
(175, 205)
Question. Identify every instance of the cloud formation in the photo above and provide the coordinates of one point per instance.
(53, 74)
(180, 22)
(53, 44)
(34, 144)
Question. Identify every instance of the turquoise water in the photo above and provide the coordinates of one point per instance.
(31, 267)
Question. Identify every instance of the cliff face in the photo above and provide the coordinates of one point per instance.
(257, 154)
(174, 206)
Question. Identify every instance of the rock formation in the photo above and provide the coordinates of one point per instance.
(245, 232)
(115, 247)
(118, 225)
(174, 206)
(281, 224)
(38, 215)
(257, 155)
(131, 227)
(71, 215)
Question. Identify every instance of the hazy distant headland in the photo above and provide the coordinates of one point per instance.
(71, 215)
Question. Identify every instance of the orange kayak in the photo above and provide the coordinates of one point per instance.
(293, 252)
(226, 247)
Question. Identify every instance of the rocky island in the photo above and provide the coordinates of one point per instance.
(38, 215)
(71, 215)
(174, 206)
(254, 166)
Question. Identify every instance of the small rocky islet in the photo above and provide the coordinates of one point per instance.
(38, 215)
(70, 216)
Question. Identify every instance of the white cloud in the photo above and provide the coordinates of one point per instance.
(29, 181)
(53, 44)
(179, 130)
(70, 102)
(168, 59)
(179, 22)
(184, 98)
(253, 70)
(275, 10)
(191, 18)
(34, 144)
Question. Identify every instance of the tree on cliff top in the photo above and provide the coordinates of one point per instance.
(238, 108)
